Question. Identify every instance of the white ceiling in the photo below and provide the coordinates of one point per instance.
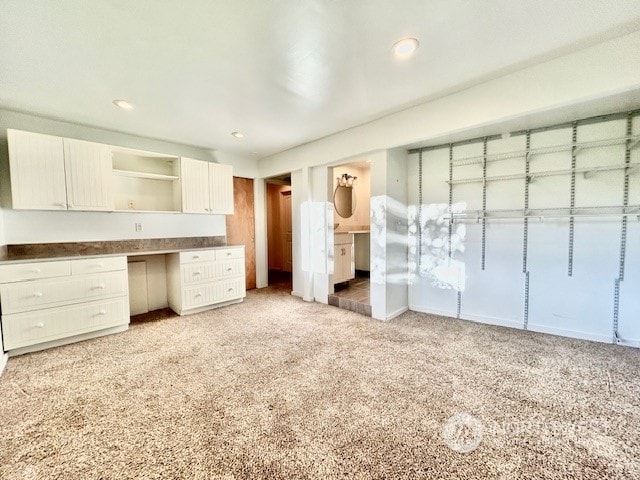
(284, 72)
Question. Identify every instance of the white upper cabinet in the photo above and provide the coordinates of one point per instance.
(89, 175)
(195, 186)
(206, 187)
(37, 171)
(52, 173)
(221, 188)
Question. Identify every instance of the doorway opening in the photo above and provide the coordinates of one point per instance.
(279, 232)
(351, 187)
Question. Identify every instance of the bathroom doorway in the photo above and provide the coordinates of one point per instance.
(351, 187)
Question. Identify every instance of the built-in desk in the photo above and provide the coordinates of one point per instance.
(46, 302)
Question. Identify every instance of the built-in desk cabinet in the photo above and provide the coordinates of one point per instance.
(45, 304)
(200, 280)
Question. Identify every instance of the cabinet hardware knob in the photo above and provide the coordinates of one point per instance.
(196, 257)
(198, 295)
(99, 265)
(36, 270)
(40, 325)
(228, 254)
(37, 294)
(196, 273)
(102, 312)
(231, 289)
(229, 269)
(100, 286)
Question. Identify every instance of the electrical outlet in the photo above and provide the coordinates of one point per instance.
(138, 226)
(130, 205)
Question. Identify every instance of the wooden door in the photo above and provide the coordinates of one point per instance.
(88, 171)
(37, 171)
(221, 183)
(241, 226)
(287, 231)
(195, 185)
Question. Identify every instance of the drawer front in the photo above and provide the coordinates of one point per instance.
(193, 273)
(229, 268)
(25, 296)
(197, 256)
(210, 294)
(96, 265)
(31, 271)
(24, 329)
(231, 289)
(228, 253)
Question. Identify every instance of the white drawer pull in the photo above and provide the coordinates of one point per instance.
(98, 265)
(37, 294)
(196, 257)
(228, 254)
(198, 295)
(99, 287)
(196, 273)
(102, 312)
(231, 289)
(36, 270)
(39, 325)
(229, 269)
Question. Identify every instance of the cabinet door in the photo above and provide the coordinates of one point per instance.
(37, 171)
(89, 175)
(221, 188)
(195, 185)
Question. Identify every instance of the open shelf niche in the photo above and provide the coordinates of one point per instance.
(145, 181)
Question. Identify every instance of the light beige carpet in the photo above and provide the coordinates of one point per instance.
(279, 388)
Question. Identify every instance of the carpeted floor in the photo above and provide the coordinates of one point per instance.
(278, 388)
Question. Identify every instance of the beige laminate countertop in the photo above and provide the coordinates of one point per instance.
(137, 253)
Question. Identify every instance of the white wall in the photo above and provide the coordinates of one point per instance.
(580, 305)
(35, 226)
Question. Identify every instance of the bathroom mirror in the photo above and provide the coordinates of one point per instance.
(344, 201)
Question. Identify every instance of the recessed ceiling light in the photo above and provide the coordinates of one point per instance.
(405, 48)
(123, 104)
(237, 134)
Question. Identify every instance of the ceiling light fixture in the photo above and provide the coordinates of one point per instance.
(405, 48)
(123, 104)
(237, 134)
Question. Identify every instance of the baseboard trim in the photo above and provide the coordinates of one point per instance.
(500, 322)
(594, 337)
(397, 313)
(3, 362)
(433, 311)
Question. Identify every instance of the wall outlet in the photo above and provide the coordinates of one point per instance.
(130, 205)
(138, 226)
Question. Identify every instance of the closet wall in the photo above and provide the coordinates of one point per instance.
(552, 272)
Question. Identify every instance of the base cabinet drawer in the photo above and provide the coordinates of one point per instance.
(30, 271)
(207, 294)
(30, 328)
(198, 272)
(24, 296)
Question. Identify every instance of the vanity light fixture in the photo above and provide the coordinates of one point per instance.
(405, 48)
(237, 134)
(123, 104)
(346, 180)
